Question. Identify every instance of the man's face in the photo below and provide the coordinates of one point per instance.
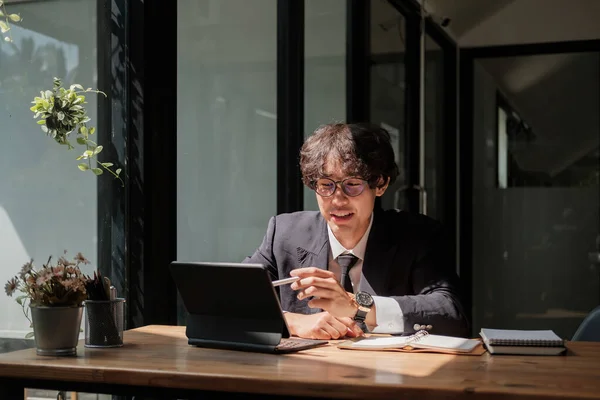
(347, 216)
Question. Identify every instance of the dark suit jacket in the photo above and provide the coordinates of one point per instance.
(405, 259)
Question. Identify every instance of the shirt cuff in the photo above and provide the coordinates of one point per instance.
(390, 318)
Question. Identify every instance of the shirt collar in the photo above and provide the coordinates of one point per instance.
(358, 250)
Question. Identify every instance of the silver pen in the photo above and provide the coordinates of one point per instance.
(285, 281)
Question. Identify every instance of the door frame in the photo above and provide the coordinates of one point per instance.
(467, 57)
(414, 114)
(450, 133)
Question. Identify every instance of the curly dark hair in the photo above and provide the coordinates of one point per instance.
(363, 150)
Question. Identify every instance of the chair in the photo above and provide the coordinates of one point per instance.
(589, 330)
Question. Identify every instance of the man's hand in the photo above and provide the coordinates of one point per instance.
(330, 296)
(321, 326)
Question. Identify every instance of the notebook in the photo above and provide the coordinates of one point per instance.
(527, 342)
(422, 341)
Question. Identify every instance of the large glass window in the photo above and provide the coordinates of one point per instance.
(226, 127)
(46, 204)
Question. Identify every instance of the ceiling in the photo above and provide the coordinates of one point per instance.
(498, 22)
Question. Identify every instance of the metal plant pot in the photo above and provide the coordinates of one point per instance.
(56, 330)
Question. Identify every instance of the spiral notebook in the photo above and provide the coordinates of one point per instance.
(507, 337)
(528, 342)
(421, 341)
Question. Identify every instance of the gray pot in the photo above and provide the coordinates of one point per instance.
(56, 330)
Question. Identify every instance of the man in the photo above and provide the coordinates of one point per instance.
(358, 264)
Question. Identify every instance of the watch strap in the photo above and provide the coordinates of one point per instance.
(361, 314)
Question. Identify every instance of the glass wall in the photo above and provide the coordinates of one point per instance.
(47, 205)
(226, 127)
(536, 219)
(388, 94)
(324, 69)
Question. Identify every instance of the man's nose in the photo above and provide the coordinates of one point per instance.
(339, 196)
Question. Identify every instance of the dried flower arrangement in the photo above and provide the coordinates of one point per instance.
(57, 285)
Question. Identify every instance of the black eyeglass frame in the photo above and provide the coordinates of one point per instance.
(342, 185)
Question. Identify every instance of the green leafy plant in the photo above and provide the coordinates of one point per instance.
(62, 284)
(5, 20)
(62, 112)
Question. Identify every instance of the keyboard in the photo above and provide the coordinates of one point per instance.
(295, 344)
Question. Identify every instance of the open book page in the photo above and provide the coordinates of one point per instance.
(393, 342)
(437, 343)
(446, 342)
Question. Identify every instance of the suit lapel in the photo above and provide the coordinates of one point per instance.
(314, 254)
(379, 256)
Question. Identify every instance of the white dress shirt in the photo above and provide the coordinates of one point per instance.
(390, 318)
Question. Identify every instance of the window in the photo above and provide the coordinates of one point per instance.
(324, 70)
(46, 204)
(227, 127)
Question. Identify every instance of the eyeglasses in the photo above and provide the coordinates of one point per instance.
(352, 187)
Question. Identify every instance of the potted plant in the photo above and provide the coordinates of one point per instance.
(61, 112)
(53, 295)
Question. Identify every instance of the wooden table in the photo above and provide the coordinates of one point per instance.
(157, 361)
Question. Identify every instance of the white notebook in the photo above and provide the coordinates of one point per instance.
(508, 337)
(420, 340)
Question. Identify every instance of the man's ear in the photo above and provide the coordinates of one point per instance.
(381, 187)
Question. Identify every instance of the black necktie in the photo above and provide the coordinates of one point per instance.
(346, 262)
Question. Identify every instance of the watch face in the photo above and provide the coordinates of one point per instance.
(364, 299)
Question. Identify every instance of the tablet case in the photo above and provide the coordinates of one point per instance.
(230, 306)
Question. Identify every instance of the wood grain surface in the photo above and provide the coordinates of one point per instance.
(159, 356)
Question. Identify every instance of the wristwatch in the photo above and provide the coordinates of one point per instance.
(364, 301)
